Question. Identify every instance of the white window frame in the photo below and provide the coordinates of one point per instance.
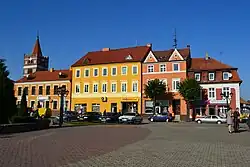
(86, 69)
(126, 70)
(103, 70)
(135, 82)
(211, 91)
(75, 88)
(227, 75)
(84, 85)
(178, 64)
(105, 83)
(94, 87)
(164, 67)
(79, 73)
(211, 79)
(197, 74)
(53, 105)
(115, 71)
(135, 66)
(126, 87)
(97, 72)
(226, 90)
(111, 87)
(174, 86)
(148, 68)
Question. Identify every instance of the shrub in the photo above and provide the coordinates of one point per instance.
(23, 119)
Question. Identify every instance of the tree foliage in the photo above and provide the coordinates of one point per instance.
(7, 97)
(23, 106)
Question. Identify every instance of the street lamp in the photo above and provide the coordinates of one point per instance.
(62, 92)
(227, 97)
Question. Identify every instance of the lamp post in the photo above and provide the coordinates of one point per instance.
(227, 97)
(62, 92)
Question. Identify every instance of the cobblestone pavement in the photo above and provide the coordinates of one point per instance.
(179, 145)
(57, 147)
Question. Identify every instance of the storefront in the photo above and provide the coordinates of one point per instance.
(161, 106)
(129, 105)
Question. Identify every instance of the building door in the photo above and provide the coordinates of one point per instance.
(212, 111)
(176, 107)
(114, 107)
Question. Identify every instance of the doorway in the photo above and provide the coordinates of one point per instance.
(176, 107)
(129, 107)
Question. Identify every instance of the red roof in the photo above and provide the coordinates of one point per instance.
(114, 56)
(209, 64)
(43, 76)
(165, 55)
(37, 48)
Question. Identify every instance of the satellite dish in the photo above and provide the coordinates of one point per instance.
(230, 75)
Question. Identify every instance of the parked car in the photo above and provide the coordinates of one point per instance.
(163, 117)
(110, 117)
(134, 118)
(211, 119)
(90, 117)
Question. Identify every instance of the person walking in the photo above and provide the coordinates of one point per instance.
(229, 120)
(236, 116)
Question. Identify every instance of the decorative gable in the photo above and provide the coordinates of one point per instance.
(86, 61)
(150, 58)
(129, 57)
(175, 56)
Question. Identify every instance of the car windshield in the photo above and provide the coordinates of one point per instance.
(129, 114)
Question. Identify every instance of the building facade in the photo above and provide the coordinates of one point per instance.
(171, 67)
(41, 89)
(109, 80)
(216, 78)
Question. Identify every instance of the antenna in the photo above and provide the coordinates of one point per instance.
(175, 39)
(37, 34)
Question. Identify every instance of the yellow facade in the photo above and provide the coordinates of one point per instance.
(43, 93)
(123, 87)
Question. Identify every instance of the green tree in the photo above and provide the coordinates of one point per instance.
(153, 89)
(23, 106)
(7, 97)
(190, 90)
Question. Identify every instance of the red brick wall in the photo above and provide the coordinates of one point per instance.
(218, 92)
(233, 100)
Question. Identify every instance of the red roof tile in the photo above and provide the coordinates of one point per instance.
(113, 56)
(37, 48)
(165, 55)
(43, 76)
(210, 64)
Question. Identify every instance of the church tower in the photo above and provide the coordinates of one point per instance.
(35, 61)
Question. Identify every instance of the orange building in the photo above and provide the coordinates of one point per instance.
(169, 66)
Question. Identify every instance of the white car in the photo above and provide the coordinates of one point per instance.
(211, 119)
(130, 118)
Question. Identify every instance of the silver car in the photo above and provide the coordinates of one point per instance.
(211, 119)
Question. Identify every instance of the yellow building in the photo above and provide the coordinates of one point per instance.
(109, 80)
(42, 88)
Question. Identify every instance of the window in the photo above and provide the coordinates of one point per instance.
(225, 76)
(113, 87)
(46, 104)
(104, 71)
(40, 90)
(114, 71)
(54, 104)
(226, 90)
(86, 73)
(19, 91)
(176, 67)
(135, 70)
(124, 70)
(32, 104)
(197, 76)
(86, 88)
(26, 90)
(95, 107)
(176, 83)
(211, 93)
(162, 67)
(124, 87)
(150, 68)
(77, 88)
(30, 70)
(77, 73)
(95, 72)
(211, 76)
(47, 90)
(55, 89)
(33, 90)
(95, 88)
(104, 88)
(135, 86)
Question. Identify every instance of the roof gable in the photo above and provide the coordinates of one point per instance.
(175, 56)
(165, 55)
(150, 58)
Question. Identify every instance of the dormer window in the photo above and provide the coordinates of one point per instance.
(197, 76)
(129, 57)
(225, 75)
(211, 76)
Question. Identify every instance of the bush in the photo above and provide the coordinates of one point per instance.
(23, 119)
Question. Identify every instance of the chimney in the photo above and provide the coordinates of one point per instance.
(149, 45)
(105, 49)
(207, 57)
(51, 70)
(188, 46)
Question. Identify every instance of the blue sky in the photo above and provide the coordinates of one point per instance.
(69, 29)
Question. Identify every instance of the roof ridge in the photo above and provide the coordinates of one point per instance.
(115, 49)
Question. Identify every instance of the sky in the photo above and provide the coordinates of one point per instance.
(69, 29)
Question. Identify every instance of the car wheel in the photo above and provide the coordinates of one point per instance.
(199, 121)
(152, 119)
(218, 122)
